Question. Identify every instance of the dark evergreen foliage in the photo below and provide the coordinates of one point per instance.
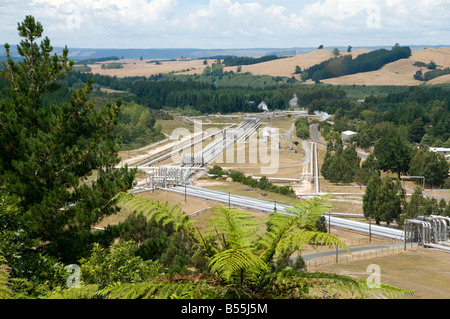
(432, 166)
(158, 92)
(50, 151)
(345, 65)
(341, 166)
(96, 60)
(393, 153)
(232, 60)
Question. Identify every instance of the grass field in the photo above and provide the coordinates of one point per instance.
(398, 73)
(424, 270)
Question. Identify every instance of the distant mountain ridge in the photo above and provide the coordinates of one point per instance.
(192, 53)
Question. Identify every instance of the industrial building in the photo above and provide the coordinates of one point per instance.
(347, 135)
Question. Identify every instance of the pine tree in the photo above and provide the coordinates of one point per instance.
(368, 167)
(416, 131)
(388, 206)
(383, 199)
(341, 166)
(393, 153)
(432, 166)
(49, 153)
(370, 197)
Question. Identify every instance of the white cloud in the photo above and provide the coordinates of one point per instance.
(231, 23)
(275, 10)
(392, 3)
(237, 9)
(266, 30)
(130, 12)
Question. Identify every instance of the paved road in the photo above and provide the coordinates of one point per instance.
(315, 134)
(436, 196)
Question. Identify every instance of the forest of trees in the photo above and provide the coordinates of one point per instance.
(395, 129)
(302, 128)
(340, 165)
(419, 115)
(385, 201)
(95, 60)
(113, 65)
(157, 92)
(344, 65)
(392, 154)
(232, 60)
(429, 75)
(399, 127)
(136, 126)
(136, 123)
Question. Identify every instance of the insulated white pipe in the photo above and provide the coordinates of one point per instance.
(316, 168)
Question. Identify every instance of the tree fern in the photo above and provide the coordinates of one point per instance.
(296, 241)
(159, 211)
(164, 288)
(279, 225)
(337, 286)
(83, 292)
(235, 228)
(311, 210)
(291, 232)
(289, 283)
(238, 263)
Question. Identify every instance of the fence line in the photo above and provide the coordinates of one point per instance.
(199, 212)
(348, 242)
(356, 256)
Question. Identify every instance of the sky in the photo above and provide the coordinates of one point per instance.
(231, 24)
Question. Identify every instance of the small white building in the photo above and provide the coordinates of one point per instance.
(442, 150)
(347, 135)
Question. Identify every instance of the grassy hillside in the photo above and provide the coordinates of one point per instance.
(400, 72)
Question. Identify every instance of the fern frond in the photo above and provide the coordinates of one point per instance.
(160, 289)
(337, 286)
(234, 262)
(84, 292)
(4, 277)
(235, 226)
(296, 241)
(279, 226)
(159, 211)
(311, 210)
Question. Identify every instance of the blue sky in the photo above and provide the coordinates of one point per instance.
(209, 24)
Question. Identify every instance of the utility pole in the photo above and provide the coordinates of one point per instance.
(229, 201)
(404, 235)
(370, 230)
(185, 195)
(337, 253)
(329, 223)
